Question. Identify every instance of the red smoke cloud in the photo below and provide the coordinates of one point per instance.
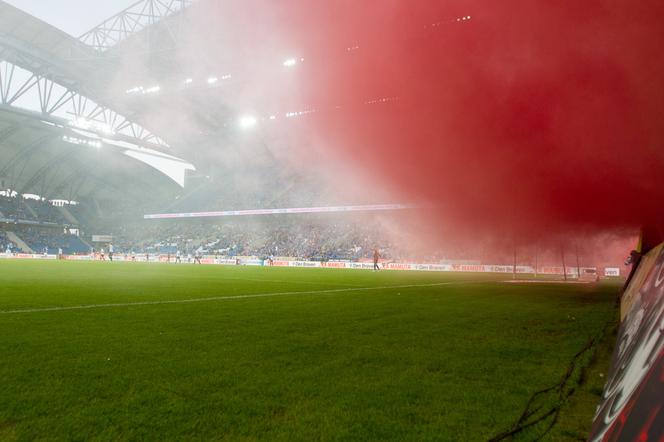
(534, 116)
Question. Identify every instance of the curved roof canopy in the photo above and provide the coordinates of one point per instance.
(58, 137)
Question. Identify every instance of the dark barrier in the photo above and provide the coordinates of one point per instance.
(632, 407)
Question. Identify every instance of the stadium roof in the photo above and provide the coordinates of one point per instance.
(147, 77)
(37, 160)
(60, 137)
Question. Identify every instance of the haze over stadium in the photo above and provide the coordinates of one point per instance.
(470, 144)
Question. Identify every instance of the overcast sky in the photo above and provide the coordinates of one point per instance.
(72, 16)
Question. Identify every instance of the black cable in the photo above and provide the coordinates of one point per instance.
(524, 422)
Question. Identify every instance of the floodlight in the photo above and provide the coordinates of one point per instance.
(91, 125)
(248, 121)
(292, 62)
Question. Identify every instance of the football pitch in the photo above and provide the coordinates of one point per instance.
(128, 351)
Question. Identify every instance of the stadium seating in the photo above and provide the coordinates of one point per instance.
(5, 242)
(41, 240)
(46, 212)
(31, 211)
(312, 239)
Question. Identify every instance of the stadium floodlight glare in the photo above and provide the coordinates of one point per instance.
(248, 121)
(9, 193)
(32, 196)
(292, 62)
(82, 142)
(213, 80)
(189, 81)
(300, 113)
(91, 125)
(140, 90)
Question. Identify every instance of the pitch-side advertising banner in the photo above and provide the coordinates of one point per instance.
(102, 238)
(26, 256)
(293, 262)
(612, 271)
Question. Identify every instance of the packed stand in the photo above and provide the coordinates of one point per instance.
(301, 239)
(50, 241)
(14, 209)
(30, 211)
(46, 212)
(6, 244)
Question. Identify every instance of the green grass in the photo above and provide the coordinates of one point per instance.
(429, 362)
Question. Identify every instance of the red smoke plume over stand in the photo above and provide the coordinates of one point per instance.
(529, 117)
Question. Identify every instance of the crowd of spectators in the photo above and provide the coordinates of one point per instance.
(41, 240)
(51, 241)
(19, 209)
(309, 239)
(6, 243)
(46, 212)
(305, 237)
(14, 209)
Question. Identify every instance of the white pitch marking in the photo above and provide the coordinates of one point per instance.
(220, 298)
(283, 282)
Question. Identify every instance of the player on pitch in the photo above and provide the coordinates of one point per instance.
(376, 259)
